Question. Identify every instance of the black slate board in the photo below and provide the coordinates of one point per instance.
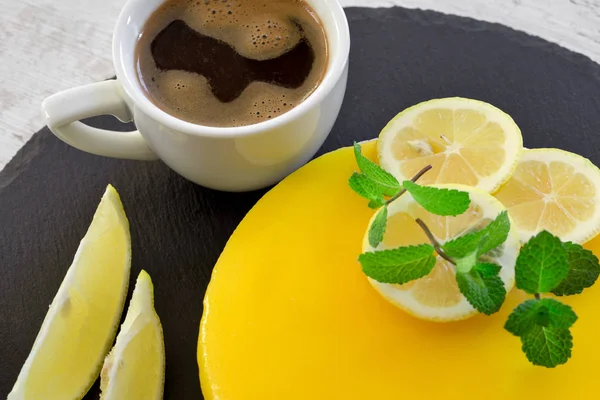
(399, 57)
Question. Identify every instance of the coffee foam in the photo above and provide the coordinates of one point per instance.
(188, 96)
(256, 29)
(187, 93)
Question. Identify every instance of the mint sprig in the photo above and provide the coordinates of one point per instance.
(477, 280)
(543, 327)
(375, 184)
(547, 265)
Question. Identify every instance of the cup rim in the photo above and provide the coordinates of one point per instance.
(338, 32)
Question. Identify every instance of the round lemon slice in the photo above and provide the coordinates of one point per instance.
(83, 318)
(465, 141)
(135, 367)
(554, 190)
(436, 296)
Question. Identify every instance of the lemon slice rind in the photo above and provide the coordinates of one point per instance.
(585, 230)
(513, 144)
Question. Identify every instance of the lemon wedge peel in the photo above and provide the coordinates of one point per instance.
(36, 379)
(123, 371)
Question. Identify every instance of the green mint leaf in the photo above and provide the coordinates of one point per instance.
(444, 202)
(583, 271)
(547, 312)
(542, 264)
(367, 189)
(375, 204)
(466, 264)
(377, 229)
(488, 269)
(488, 238)
(495, 233)
(523, 318)
(463, 245)
(483, 290)
(560, 316)
(547, 347)
(384, 181)
(400, 265)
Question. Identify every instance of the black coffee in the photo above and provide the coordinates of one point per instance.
(232, 62)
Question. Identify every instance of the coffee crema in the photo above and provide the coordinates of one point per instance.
(231, 62)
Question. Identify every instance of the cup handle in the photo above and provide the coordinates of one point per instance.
(64, 110)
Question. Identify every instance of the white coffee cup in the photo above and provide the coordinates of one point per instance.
(230, 159)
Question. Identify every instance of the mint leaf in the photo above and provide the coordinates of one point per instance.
(400, 265)
(488, 238)
(367, 189)
(545, 312)
(560, 316)
(377, 229)
(463, 245)
(523, 318)
(547, 347)
(488, 269)
(466, 263)
(495, 233)
(583, 271)
(471, 260)
(483, 289)
(384, 181)
(444, 202)
(542, 264)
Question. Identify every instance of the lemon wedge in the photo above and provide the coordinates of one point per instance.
(135, 367)
(465, 141)
(436, 297)
(82, 320)
(554, 190)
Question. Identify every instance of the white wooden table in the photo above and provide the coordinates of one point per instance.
(51, 45)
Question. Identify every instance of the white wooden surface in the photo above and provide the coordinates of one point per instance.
(50, 45)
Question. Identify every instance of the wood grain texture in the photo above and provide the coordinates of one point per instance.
(50, 45)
